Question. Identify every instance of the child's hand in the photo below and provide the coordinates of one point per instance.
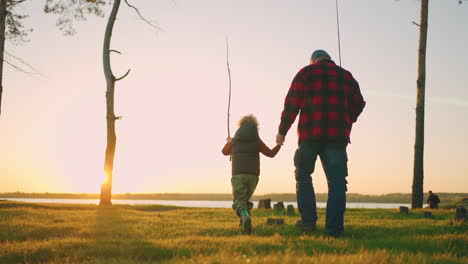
(228, 139)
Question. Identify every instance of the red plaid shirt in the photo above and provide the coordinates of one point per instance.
(329, 101)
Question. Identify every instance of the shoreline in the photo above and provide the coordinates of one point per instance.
(284, 197)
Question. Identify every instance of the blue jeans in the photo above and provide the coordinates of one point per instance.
(334, 162)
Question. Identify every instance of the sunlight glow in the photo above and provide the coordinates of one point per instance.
(106, 178)
(53, 130)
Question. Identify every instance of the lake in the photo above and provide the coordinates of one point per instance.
(206, 204)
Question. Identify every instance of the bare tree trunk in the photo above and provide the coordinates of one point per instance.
(418, 173)
(106, 187)
(3, 13)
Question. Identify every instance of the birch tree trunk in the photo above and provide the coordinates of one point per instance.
(418, 172)
(3, 14)
(106, 187)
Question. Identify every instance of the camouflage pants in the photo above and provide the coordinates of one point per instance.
(243, 187)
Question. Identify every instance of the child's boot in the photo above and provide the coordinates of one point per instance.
(245, 222)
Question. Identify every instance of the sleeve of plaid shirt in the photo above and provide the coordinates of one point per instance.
(292, 103)
(356, 101)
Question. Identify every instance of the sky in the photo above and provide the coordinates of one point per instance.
(174, 101)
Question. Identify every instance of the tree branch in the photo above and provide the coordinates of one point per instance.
(10, 3)
(31, 70)
(415, 23)
(125, 75)
(23, 62)
(144, 19)
(18, 68)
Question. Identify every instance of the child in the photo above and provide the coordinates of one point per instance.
(245, 148)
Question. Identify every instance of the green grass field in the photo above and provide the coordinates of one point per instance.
(36, 233)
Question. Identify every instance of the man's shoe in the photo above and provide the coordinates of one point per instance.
(300, 225)
(335, 235)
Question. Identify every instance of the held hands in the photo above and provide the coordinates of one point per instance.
(280, 139)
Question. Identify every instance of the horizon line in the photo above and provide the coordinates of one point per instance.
(183, 193)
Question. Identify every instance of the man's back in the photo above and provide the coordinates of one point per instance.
(329, 101)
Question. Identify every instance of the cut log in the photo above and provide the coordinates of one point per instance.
(404, 210)
(427, 214)
(275, 221)
(290, 210)
(264, 204)
(278, 207)
(461, 214)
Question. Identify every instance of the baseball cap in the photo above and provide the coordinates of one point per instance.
(320, 54)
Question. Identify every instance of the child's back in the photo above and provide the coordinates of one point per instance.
(245, 149)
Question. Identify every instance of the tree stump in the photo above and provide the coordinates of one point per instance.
(427, 214)
(278, 207)
(275, 221)
(461, 214)
(290, 210)
(404, 210)
(264, 204)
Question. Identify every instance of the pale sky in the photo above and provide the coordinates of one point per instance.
(174, 102)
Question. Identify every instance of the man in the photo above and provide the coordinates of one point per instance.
(433, 200)
(329, 101)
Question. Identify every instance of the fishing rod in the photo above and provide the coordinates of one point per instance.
(229, 74)
(338, 29)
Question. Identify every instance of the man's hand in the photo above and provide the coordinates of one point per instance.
(228, 139)
(279, 139)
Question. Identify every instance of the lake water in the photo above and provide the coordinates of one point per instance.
(206, 204)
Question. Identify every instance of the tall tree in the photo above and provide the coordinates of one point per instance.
(3, 14)
(418, 168)
(106, 187)
(11, 28)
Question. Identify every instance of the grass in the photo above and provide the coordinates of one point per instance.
(33, 233)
